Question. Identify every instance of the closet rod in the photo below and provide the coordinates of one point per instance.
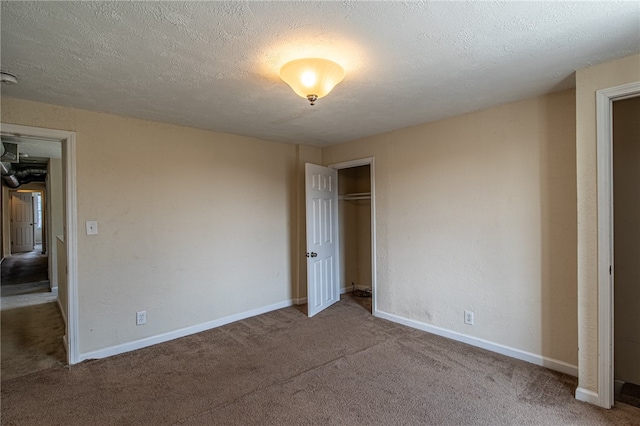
(356, 196)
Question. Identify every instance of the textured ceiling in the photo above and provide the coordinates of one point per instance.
(214, 65)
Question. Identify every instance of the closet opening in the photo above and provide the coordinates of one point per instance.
(626, 250)
(356, 236)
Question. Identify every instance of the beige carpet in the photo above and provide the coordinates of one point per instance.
(31, 337)
(342, 367)
(36, 297)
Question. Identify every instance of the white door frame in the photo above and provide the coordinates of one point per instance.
(604, 126)
(68, 140)
(369, 161)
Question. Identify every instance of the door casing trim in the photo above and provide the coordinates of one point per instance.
(370, 161)
(604, 154)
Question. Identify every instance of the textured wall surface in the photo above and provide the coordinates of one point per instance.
(588, 81)
(477, 212)
(193, 225)
(55, 207)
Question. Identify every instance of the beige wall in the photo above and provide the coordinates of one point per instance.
(61, 270)
(6, 221)
(588, 81)
(56, 206)
(193, 225)
(55, 210)
(626, 196)
(477, 212)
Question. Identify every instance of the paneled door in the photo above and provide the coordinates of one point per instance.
(322, 230)
(21, 222)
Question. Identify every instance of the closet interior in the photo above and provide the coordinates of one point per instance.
(354, 214)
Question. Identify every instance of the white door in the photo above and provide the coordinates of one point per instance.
(21, 222)
(322, 231)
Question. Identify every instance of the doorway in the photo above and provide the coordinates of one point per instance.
(22, 222)
(62, 243)
(605, 99)
(356, 231)
(626, 249)
(26, 270)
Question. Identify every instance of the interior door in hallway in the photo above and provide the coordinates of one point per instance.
(21, 222)
(322, 222)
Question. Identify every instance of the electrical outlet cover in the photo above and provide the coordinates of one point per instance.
(468, 317)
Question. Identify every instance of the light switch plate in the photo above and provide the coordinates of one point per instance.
(92, 227)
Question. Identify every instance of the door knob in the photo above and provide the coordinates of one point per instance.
(312, 254)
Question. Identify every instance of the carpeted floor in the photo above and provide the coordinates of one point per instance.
(21, 268)
(31, 339)
(32, 327)
(341, 367)
(365, 302)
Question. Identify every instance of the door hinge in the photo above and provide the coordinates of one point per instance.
(609, 269)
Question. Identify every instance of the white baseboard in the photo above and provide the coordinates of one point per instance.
(552, 364)
(587, 395)
(165, 337)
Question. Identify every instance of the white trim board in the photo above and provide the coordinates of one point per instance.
(540, 360)
(585, 395)
(604, 146)
(165, 337)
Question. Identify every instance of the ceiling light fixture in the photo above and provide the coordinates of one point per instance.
(312, 78)
(9, 78)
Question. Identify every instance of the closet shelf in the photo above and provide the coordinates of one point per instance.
(355, 196)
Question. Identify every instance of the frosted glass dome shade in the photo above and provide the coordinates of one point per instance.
(312, 78)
